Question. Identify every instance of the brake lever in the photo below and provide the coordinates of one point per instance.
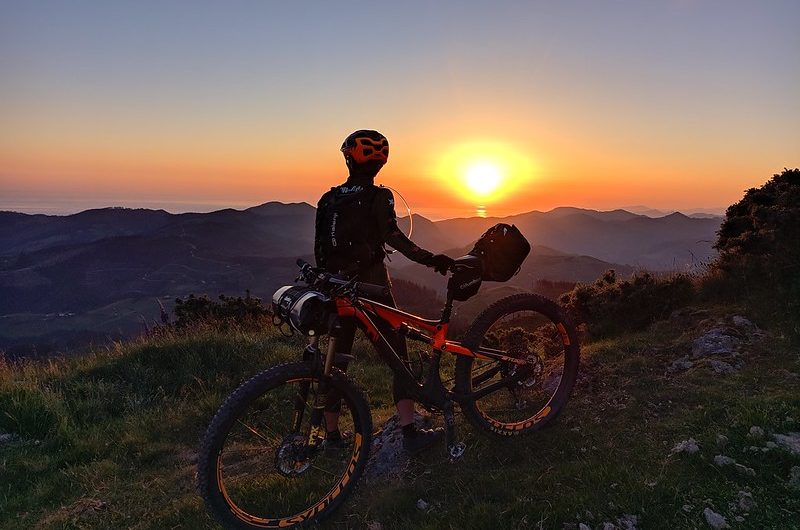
(345, 287)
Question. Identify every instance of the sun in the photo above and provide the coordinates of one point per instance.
(484, 173)
(483, 178)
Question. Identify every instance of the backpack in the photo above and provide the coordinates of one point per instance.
(348, 234)
(502, 249)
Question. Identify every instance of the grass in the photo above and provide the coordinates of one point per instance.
(109, 439)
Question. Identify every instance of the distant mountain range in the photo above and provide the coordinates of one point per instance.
(65, 280)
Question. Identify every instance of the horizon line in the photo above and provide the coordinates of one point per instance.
(169, 206)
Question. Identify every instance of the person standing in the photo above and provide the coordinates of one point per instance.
(354, 223)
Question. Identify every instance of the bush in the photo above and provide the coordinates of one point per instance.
(201, 309)
(763, 229)
(759, 245)
(609, 307)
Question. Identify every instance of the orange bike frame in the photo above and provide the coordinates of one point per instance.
(434, 332)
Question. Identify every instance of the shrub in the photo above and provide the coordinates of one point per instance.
(200, 309)
(609, 307)
(759, 245)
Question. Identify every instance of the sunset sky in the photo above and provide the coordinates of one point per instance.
(196, 105)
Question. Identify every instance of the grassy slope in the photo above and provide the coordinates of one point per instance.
(121, 428)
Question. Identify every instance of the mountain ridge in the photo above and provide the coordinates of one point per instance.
(79, 264)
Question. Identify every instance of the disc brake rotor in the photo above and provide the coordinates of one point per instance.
(292, 457)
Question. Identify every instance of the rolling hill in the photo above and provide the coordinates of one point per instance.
(91, 276)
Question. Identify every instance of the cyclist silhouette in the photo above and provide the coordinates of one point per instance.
(354, 222)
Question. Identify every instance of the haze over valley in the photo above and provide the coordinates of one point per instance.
(66, 281)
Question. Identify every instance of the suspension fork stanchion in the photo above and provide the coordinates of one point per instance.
(317, 434)
(309, 356)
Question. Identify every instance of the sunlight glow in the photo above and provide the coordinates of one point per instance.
(483, 178)
(483, 172)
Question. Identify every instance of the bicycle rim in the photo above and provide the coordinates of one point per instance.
(265, 470)
(531, 392)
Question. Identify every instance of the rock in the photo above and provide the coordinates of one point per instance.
(680, 364)
(722, 440)
(789, 441)
(7, 437)
(714, 519)
(422, 505)
(743, 323)
(744, 470)
(739, 519)
(584, 527)
(794, 477)
(746, 501)
(589, 515)
(609, 526)
(374, 525)
(716, 341)
(687, 508)
(388, 456)
(771, 445)
(755, 432)
(722, 460)
(686, 446)
(628, 521)
(721, 367)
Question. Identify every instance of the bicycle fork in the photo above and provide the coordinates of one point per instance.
(316, 432)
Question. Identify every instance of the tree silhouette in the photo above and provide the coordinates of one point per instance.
(759, 245)
(763, 229)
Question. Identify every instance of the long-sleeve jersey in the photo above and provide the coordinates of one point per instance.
(376, 223)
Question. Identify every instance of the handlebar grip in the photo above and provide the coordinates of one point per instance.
(371, 289)
(301, 262)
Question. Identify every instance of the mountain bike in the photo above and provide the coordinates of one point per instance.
(265, 462)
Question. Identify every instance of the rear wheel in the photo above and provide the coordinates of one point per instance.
(518, 398)
(256, 468)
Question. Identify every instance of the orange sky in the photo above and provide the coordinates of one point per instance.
(650, 106)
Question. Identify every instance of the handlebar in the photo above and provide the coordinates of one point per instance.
(313, 276)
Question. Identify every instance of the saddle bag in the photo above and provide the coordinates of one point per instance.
(502, 249)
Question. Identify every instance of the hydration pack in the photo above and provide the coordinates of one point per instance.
(348, 233)
(502, 249)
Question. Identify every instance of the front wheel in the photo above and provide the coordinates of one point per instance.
(256, 468)
(511, 398)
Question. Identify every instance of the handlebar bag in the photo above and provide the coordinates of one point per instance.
(466, 279)
(501, 249)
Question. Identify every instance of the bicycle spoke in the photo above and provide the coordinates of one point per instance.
(267, 468)
(504, 393)
(252, 430)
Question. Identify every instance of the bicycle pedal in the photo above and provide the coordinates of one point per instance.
(456, 450)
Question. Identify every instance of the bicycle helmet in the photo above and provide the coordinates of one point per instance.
(365, 146)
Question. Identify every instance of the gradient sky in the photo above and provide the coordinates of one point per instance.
(680, 104)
